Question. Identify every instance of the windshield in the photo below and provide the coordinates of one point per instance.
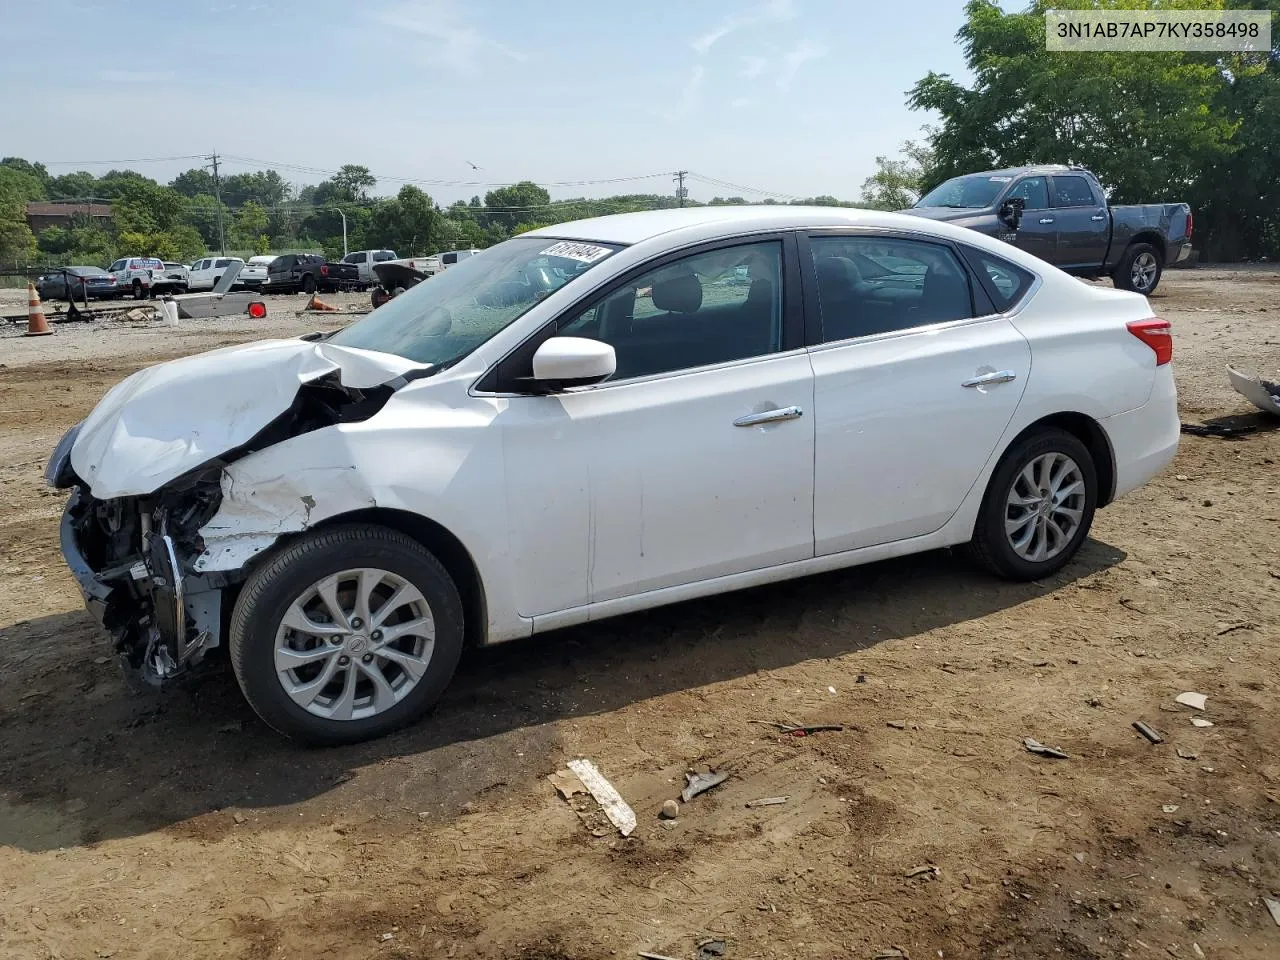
(445, 317)
(975, 190)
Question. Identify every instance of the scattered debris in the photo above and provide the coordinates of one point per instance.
(767, 801)
(1195, 948)
(1188, 754)
(896, 724)
(1169, 807)
(893, 953)
(696, 783)
(1224, 430)
(653, 956)
(795, 730)
(239, 817)
(1094, 702)
(670, 810)
(615, 808)
(928, 870)
(1035, 746)
(1261, 393)
(387, 936)
(566, 783)
(1195, 701)
(1240, 625)
(1273, 907)
(1147, 732)
(831, 690)
(1079, 857)
(1201, 722)
(711, 947)
(862, 678)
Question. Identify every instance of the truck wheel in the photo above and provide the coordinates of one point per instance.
(346, 634)
(308, 284)
(1139, 269)
(137, 290)
(378, 297)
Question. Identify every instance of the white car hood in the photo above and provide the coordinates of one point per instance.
(166, 420)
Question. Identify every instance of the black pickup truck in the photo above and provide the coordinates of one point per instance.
(1060, 214)
(309, 272)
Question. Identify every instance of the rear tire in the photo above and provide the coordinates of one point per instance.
(1139, 269)
(1043, 493)
(308, 284)
(276, 590)
(137, 289)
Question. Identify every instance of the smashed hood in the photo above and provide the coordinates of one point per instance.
(169, 419)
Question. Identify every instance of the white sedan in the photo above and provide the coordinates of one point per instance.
(597, 418)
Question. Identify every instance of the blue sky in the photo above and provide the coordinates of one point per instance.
(790, 96)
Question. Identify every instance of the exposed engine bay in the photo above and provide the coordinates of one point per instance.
(135, 554)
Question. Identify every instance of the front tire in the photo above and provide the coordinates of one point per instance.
(1139, 269)
(345, 635)
(1038, 507)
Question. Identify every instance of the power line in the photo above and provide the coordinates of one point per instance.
(100, 163)
(712, 181)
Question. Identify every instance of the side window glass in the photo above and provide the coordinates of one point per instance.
(708, 308)
(1034, 190)
(382, 256)
(1009, 282)
(871, 285)
(1072, 192)
(358, 258)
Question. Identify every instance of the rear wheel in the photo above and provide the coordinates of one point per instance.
(137, 289)
(308, 284)
(346, 635)
(1139, 269)
(1038, 506)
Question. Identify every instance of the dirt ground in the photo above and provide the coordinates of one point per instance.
(177, 825)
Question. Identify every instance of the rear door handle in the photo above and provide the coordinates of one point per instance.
(1046, 220)
(1098, 216)
(1000, 376)
(769, 416)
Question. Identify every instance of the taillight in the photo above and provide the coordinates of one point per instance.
(324, 270)
(1156, 334)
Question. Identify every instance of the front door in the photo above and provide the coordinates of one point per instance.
(911, 391)
(695, 461)
(1038, 232)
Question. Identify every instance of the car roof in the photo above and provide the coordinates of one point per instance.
(629, 228)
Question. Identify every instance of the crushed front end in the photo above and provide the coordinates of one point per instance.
(133, 559)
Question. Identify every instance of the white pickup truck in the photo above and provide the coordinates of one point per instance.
(364, 261)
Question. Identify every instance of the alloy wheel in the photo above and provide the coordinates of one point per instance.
(1044, 507)
(1143, 271)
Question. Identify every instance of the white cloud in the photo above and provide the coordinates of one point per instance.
(741, 102)
(771, 11)
(794, 59)
(753, 66)
(444, 38)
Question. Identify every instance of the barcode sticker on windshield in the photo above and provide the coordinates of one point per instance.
(582, 252)
(1000, 179)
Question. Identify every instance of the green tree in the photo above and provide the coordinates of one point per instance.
(249, 230)
(898, 183)
(17, 188)
(81, 185)
(520, 202)
(1141, 120)
(194, 182)
(264, 187)
(406, 224)
(35, 171)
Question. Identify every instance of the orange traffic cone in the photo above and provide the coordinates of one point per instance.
(37, 325)
(315, 303)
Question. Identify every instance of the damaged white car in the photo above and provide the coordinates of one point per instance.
(596, 418)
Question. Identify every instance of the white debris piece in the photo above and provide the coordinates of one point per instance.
(615, 808)
(1195, 701)
(1201, 722)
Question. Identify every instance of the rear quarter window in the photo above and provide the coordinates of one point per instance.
(1007, 284)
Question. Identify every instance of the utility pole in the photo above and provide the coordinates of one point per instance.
(681, 192)
(217, 195)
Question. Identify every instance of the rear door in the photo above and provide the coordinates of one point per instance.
(1038, 232)
(916, 377)
(1084, 227)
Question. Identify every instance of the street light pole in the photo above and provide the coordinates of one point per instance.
(344, 230)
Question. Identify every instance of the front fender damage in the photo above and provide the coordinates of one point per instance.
(261, 504)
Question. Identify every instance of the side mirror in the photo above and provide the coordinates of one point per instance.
(573, 362)
(1011, 212)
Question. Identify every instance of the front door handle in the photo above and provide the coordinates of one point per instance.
(999, 376)
(1046, 219)
(769, 416)
(1098, 216)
